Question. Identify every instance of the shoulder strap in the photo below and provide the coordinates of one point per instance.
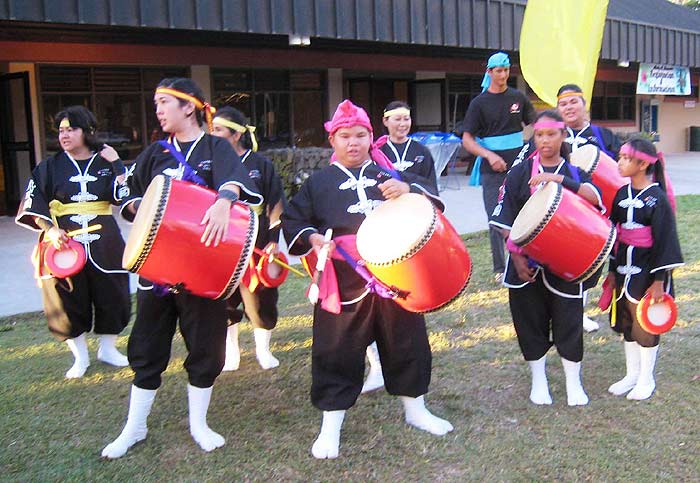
(601, 142)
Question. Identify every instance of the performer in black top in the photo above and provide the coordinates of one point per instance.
(648, 250)
(339, 197)
(493, 131)
(539, 300)
(73, 190)
(202, 321)
(259, 302)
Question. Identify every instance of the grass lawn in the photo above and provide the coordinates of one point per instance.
(54, 429)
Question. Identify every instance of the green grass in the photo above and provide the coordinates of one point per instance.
(53, 429)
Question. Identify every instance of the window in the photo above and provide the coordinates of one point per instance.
(120, 97)
(287, 108)
(461, 89)
(613, 101)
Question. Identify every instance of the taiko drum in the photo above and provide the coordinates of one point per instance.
(603, 171)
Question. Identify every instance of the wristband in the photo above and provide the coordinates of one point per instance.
(118, 167)
(570, 184)
(228, 195)
(274, 232)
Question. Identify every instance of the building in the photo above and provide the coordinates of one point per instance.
(287, 63)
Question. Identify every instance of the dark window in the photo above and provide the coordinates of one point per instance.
(613, 101)
(120, 97)
(461, 89)
(287, 108)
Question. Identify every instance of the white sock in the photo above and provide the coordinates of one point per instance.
(327, 444)
(628, 382)
(418, 415)
(375, 378)
(233, 351)
(262, 349)
(135, 429)
(575, 395)
(539, 392)
(589, 325)
(198, 399)
(108, 353)
(78, 346)
(645, 384)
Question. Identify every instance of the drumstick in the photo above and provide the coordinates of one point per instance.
(320, 265)
(280, 263)
(81, 231)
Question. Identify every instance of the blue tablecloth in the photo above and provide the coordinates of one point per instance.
(442, 146)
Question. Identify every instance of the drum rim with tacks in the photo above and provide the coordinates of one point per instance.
(522, 233)
(647, 323)
(149, 220)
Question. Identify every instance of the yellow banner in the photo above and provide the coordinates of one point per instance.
(560, 44)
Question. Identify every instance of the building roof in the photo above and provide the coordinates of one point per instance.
(653, 31)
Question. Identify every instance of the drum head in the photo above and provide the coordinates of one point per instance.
(141, 231)
(657, 318)
(534, 215)
(396, 229)
(585, 157)
(270, 273)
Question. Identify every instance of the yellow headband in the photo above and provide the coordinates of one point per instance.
(566, 94)
(65, 122)
(238, 128)
(208, 109)
(398, 110)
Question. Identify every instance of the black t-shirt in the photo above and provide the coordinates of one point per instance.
(492, 114)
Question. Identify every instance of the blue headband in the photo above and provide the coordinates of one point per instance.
(499, 59)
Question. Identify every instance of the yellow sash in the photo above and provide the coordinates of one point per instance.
(87, 208)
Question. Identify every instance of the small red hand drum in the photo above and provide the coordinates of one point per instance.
(164, 244)
(657, 318)
(603, 171)
(66, 261)
(562, 231)
(408, 244)
(269, 273)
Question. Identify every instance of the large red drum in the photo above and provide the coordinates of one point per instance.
(408, 244)
(603, 171)
(164, 244)
(563, 232)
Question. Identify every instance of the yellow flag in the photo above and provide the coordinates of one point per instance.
(560, 44)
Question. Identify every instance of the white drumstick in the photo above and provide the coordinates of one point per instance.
(320, 265)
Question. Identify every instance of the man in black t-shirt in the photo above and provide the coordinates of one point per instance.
(492, 130)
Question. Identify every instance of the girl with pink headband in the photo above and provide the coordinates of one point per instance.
(647, 252)
(538, 298)
(352, 313)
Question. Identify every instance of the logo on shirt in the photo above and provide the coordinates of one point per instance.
(205, 165)
(254, 174)
(515, 108)
(650, 201)
(105, 172)
(419, 159)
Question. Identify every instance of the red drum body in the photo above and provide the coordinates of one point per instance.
(61, 262)
(603, 171)
(562, 231)
(164, 244)
(409, 245)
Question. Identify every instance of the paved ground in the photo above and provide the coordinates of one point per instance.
(19, 293)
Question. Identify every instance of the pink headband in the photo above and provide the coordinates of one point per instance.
(347, 115)
(549, 125)
(633, 153)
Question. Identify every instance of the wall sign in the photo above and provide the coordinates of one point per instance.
(668, 80)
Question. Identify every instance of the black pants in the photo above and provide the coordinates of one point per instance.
(339, 346)
(260, 307)
(202, 325)
(533, 308)
(626, 323)
(69, 306)
(490, 186)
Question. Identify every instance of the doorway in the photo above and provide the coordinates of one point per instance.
(16, 140)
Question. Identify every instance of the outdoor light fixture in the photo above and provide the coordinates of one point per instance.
(300, 40)
(623, 63)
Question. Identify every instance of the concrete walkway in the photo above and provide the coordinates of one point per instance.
(465, 210)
